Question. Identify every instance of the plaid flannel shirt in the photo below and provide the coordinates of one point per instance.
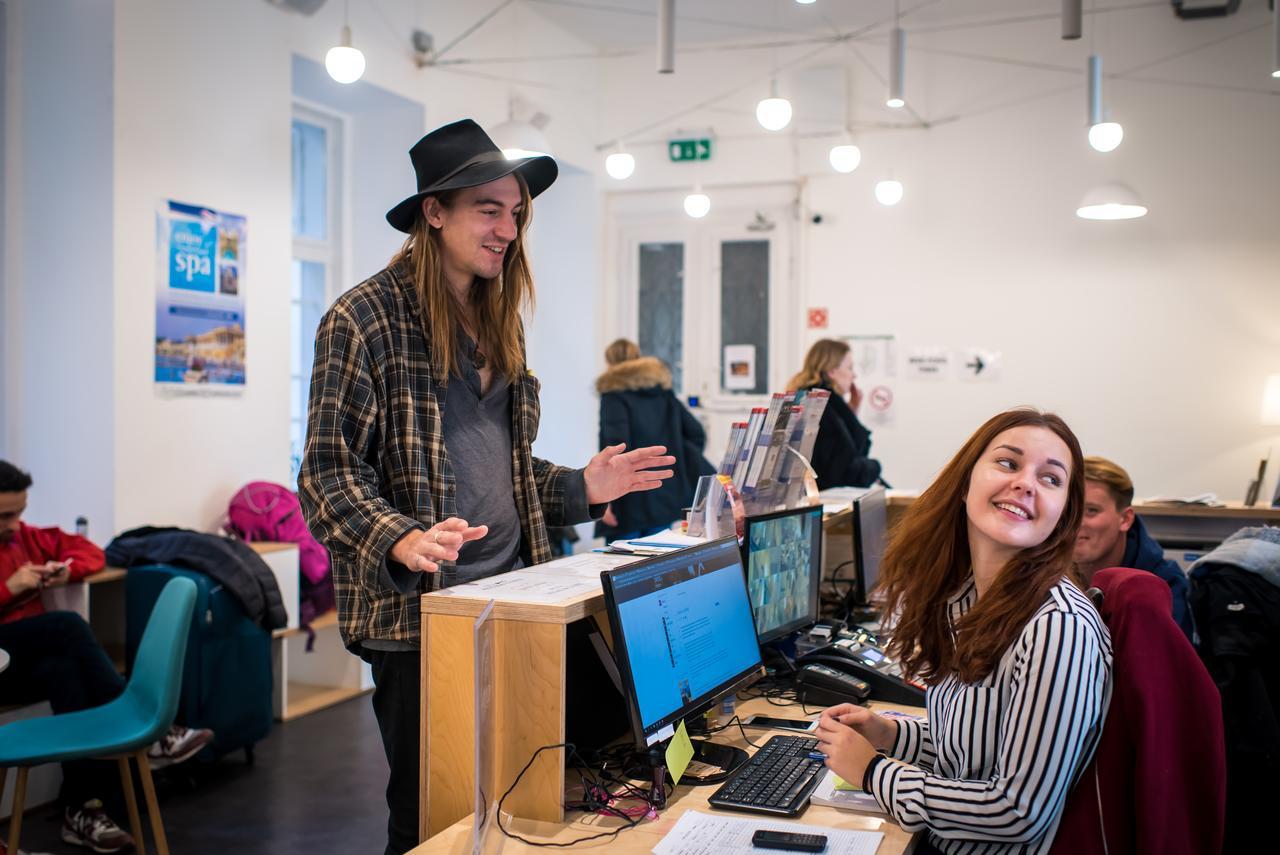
(375, 465)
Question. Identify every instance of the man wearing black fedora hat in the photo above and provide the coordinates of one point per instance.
(418, 463)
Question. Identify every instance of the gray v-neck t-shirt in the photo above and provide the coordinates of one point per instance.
(477, 432)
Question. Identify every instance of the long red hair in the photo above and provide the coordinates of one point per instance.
(927, 560)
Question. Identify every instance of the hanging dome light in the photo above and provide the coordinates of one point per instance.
(697, 204)
(1111, 202)
(773, 114)
(845, 157)
(520, 139)
(1105, 136)
(344, 63)
(889, 192)
(620, 165)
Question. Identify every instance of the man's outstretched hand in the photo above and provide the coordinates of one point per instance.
(614, 472)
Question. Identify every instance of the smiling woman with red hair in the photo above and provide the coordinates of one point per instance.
(990, 614)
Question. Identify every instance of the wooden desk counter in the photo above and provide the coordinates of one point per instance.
(456, 839)
(528, 702)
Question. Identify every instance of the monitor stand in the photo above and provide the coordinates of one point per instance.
(723, 759)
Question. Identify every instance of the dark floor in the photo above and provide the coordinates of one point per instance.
(316, 786)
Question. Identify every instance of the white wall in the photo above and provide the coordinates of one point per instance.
(564, 349)
(58, 257)
(190, 101)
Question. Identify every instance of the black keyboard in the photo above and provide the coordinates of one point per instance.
(777, 779)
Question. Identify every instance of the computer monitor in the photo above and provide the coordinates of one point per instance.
(783, 555)
(683, 634)
(870, 521)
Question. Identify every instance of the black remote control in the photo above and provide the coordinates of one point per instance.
(789, 840)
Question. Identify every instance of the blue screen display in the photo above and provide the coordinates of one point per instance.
(687, 628)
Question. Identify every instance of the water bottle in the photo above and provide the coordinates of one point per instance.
(82, 526)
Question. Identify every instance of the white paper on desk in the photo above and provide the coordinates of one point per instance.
(704, 834)
(525, 586)
(857, 800)
(584, 565)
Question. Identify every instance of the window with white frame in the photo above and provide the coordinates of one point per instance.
(317, 159)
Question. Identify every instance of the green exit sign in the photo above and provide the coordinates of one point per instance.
(699, 149)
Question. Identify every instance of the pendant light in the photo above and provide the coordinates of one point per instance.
(773, 113)
(897, 63)
(620, 165)
(1111, 202)
(697, 204)
(345, 63)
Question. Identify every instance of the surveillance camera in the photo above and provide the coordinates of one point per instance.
(816, 219)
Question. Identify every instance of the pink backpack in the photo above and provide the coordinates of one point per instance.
(261, 510)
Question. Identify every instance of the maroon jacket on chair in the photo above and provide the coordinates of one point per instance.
(1161, 763)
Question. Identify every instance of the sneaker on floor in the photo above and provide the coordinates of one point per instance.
(177, 746)
(89, 826)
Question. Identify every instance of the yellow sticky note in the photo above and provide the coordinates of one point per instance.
(679, 752)
(842, 784)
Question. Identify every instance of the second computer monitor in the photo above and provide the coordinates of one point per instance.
(783, 557)
(870, 521)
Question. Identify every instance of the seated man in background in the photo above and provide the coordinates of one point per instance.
(1112, 535)
(54, 657)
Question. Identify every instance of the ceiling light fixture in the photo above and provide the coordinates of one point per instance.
(666, 36)
(845, 157)
(697, 204)
(897, 63)
(773, 113)
(1072, 19)
(1111, 202)
(520, 137)
(1275, 39)
(344, 63)
(620, 165)
(806, 2)
(1103, 135)
(889, 192)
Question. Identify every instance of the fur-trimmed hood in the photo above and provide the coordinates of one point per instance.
(634, 374)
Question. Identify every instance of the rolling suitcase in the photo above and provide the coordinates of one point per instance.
(226, 679)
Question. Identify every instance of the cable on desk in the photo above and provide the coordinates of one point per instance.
(596, 799)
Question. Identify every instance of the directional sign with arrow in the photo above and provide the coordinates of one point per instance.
(978, 364)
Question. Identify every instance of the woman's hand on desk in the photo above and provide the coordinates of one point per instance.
(876, 729)
(422, 551)
(847, 751)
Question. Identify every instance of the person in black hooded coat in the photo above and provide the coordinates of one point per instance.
(638, 407)
(843, 445)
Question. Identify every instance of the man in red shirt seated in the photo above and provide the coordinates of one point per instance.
(54, 657)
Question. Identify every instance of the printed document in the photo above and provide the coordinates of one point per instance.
(704, 834)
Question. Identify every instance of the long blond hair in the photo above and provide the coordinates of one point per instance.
(497, 304)
(823, 357)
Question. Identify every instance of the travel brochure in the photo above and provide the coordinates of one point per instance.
(200, 305)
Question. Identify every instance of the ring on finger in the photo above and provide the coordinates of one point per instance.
(435, 537)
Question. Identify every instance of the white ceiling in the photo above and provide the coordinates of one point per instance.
(965, 57)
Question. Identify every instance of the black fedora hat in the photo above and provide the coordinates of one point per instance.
(462, 155)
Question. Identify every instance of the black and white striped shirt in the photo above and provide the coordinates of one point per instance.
(990, 770)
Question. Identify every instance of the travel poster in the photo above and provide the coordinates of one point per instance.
(200, 320)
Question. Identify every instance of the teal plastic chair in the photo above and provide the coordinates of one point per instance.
(117, 730)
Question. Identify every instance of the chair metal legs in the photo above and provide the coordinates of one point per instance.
(19, 802)
(153, 808)
(135, 823)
